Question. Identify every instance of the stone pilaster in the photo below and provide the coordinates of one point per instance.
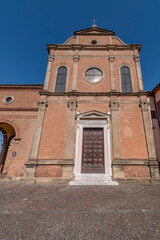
(75, 71)
(111, 59)
(31, 164)
(118, 170)
(114, 104)
(139, 73)
(48, 72)
(72, 105)
(153, 163)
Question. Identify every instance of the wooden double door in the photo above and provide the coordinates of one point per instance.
(93, 151)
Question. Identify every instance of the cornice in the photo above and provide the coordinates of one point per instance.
(114, 93)
(20, 109)
(28, 87)
(94, 47)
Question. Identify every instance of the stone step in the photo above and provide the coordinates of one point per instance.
(93, 179)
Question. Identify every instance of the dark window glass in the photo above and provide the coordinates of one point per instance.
(153, 114)
(61, 79)
(8, 99)
(126, 79)
(158, 106)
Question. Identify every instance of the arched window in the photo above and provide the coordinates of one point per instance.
(126, 79)
(1, 141)
(61, 79)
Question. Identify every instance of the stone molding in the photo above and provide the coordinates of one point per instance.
(50, 58)
(20, 109)
(114, 105)
(91, 56)
(22, 87)
(144, 105)
(72, 104)
(93, 47)
(76, 58)
(137, 58)
(37, 162)
(55, 162)
(111, 58)
(130, 162)
(111, 93)
(42, 105)
(153, 162)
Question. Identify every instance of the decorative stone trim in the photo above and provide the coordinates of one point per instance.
(93, 47)
(19, 109)
(111, 93)
(42, 105)
(114, 105)
(144, 105)
(50, 58)
(111, 58)
(137, 58)
(76, 58)
(130, 162)
(55, 162)
(21, 87)
(72, 104)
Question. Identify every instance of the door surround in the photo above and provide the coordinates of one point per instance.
(93, 119)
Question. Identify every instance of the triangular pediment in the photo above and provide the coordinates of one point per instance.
(94, 31)
(93, 115)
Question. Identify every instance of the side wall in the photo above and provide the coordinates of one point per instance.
(21, 115)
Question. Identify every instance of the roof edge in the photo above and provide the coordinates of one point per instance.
(100, 31)
(21, 86)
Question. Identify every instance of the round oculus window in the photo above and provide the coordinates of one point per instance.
(8, 99)
(93, 42)
(93, 75)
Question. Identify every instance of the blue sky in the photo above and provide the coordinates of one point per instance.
(26, 26)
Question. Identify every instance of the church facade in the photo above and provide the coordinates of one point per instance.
(92, 124)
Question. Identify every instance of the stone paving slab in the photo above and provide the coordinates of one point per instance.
(62, 212)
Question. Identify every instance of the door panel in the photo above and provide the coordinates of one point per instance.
(93, 150)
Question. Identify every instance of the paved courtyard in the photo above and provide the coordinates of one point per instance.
(62, 212)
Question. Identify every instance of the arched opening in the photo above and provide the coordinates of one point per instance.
(126, 79)
(7, 133)
(61, 79)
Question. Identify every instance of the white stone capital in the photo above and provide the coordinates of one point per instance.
(137, 58)
(144, 105)
(50, 58)
(72, 104)
(114, 105)
(42, 105)
(76, 58)
(111, 58)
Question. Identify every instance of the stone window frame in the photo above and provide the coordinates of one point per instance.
(124, 64)
(55, 77)
(93, 121)
(93, 66)
(5, 97)
(94, 40)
